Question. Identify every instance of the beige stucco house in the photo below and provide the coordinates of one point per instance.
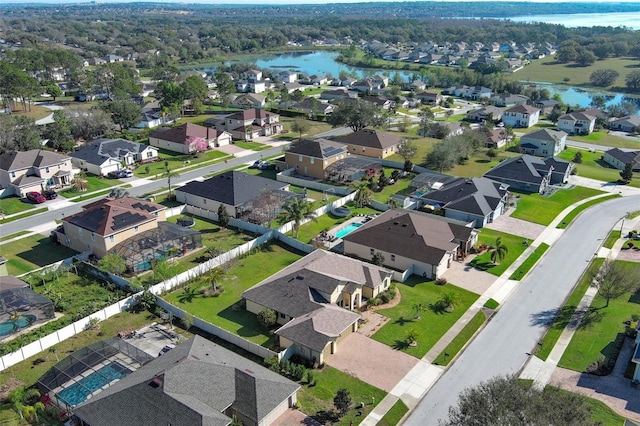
(252, 123)
(312, 157)
(184, 138)
(314, 299)
(34, 170)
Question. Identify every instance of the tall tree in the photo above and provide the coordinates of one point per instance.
(356, 114)
(614, 279)
(124, 112)
(113, 263)
(632, 80)
(171, 97)
(18, 133)
(342, 401)
(194, 87)
(59, 132)
(407, 149)
(363, 193)
(223, 216)
(169, 174)
(300, 126)
(225, 87)
(627, 174)
(507, 401)
(296, 210)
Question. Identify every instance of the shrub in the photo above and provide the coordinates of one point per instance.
(267, 317)
(441, 281)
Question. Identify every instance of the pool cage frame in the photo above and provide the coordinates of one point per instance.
(18, 302)
(351, 169)
(86, 361)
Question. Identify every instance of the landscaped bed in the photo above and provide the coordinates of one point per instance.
(515, 245)
(434, 320)
(538, 209)
(244, 274)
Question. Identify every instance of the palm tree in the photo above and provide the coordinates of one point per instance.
(363, 193)
(499, 251)
(169, 175)
(215, 275)
(297, 209)
(118, 192)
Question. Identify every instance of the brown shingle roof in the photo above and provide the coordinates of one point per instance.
(370, 138)
(181, 133)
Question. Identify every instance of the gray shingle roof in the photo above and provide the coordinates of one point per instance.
(526, 168)
(479, 196)
(545, 135)
(412, 235)
(100, 150)
(190, 385)
(18, 160)
(317, 148)
(232, 188)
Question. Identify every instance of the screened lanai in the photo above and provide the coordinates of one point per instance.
(21, 307)
(89, 370)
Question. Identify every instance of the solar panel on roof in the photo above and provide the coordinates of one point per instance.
(125, 220)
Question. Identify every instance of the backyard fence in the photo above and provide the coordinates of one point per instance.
(286, 176)
(94, 271)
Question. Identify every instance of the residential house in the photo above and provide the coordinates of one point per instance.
(252, 123)
(429, 98)
(337, 95)
(476, 92)
(95, 61)
(256, 86)
(33, 170)
(312, 107)
(508, 100)
(496, 138)
(629, 124)
(371, 143)
(197, 383)
(383, 103)
(288, 76)
(184, 138)
(521, 116)
(531, 174)
(102, 156)
(451, 129)
(425, 244)
(312, 157)
(543, 142)
(430, 58)
(242, 195)
(619, 158)
(315, 299)
(475, 200)
(249, 100)
(152, 116)
(488, 113)
(251, 75)
(107, 222)
(318, 80)
(417, 86)
(346, 81)
(292, 87)
(113, 58)
(577, 123)
(545, 105)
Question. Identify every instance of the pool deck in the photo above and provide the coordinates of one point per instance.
(329, 244)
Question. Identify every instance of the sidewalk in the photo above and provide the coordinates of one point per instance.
(424, 375)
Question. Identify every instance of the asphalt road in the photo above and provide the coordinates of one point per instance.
(503, 347)
(39, 219)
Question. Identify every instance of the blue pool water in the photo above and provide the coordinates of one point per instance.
(79, 391)
(347, 230)
(10, 327)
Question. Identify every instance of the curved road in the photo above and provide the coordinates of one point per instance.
(39, 219)
(503, 347)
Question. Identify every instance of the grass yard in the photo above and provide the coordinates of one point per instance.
(311, 229)
(607, 139)
(17, 234)
(460, 340)
(434, 321)
(13, 205)
(315, 127)
(317, 196)
(174, 161)
(94, 183)
(35, 112)
(547, 69)
(613, 236)
(514, 245)
(543, 210)
(317, 401)
(526, 266)
(596, 335)
(253, 146)
(394, 415)
(89, 196)
(566, 221)
(401, 185)
(23, 215)
(594, 167)
(602, 413)
(479, 164)
(33, 252)
(244, 274)
(563, 315)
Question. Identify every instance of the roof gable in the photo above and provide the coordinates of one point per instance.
(370, 138)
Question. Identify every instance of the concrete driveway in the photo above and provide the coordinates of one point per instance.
(371, 361)
(463, 275)
(519, 227)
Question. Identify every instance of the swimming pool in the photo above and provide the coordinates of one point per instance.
(79, 391)
(10, 327)
(348, 229)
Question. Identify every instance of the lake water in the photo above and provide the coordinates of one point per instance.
(628, 19)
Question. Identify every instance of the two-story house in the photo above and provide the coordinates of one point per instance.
(102, 156)
(34, 170)
(312, 157)
(252, 123)
(509, 100)
(288, 76)
(543, 142)
(522, 116)
(531, 174)
(577, 123)
(371, 143)
(185, 138)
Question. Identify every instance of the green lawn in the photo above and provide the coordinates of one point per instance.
(600, 327)
(593, 167)
(175, 160)
(13, 204)
(602, 413)
(88, 196)
(479, 164)
(434, 322)
(401, 185)
(566, 221)
(522, 270)
(94, 183)
(461, 339)
(515, 246)
(315, 127)
(317, 401)
(244, 274)
(538, 209)
(23, 215)
(311, 229)
(254, 146)
(33, 252)
(394, 415)
(613, 236)
(17, 234)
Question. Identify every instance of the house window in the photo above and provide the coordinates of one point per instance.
(204, 201)
(282, 316)
(300, 158)
(93, 236)
(393, 257)
(372, 251)
(112, 239)
(364, 149)
(311, 160)
(149, 154)
(80, 232)
(46, 169)
(13, 174)
(135, 229)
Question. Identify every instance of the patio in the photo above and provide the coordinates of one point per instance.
(333, 237)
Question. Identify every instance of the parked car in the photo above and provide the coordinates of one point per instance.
(257, 164)
(120, 174)
(166, 349)
(35, 197)
(49, 194)
(267, 166)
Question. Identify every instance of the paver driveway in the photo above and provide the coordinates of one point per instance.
(372, 362)
(463, 275)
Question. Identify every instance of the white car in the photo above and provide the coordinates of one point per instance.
(256, 165)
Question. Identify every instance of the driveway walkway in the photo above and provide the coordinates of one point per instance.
(372, 362)
(518, 227)
(463, 275)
